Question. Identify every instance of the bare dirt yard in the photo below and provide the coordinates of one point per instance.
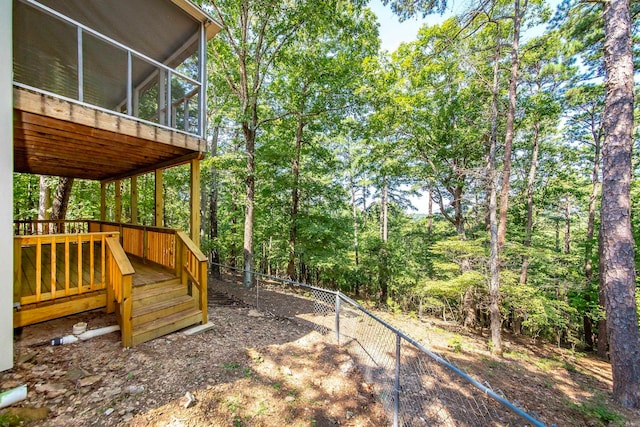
(269, 367)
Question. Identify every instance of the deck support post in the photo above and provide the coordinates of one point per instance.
(159, 202)
(118, 201)
(134, 199)
(195, 202)
(17, 270)
(103, 201)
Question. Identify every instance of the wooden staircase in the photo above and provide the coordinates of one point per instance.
(162, 308)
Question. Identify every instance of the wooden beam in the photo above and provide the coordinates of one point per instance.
(134, 199)
(100, 120)
(195, 201)
(162, 165)
(103, 201)
(159, 200)
(118, 202)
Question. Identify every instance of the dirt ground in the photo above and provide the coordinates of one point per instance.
(269, 367)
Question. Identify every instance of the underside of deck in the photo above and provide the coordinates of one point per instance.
(58, 137)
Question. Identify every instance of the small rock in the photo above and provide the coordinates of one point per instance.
(111, 392)
(346, 367)
(289, 399)
(52, 390)
(89, 381)
(134, 389)
(127, 417)
(254, 313)
(109, 411)
(187, 400)
(25, 357)
(74, 374)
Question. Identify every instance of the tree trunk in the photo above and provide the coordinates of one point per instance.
(494, 256)
(354, 212)
(430, 216)
(567, 225)
(295, 199)
(250, 182)
(618, 273)
(530, 187)
(510, 125)
(61, 198)
(214, 256)
(44, 199)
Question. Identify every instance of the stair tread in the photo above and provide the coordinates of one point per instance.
(167, 320)
(147, 292)
(145, 309)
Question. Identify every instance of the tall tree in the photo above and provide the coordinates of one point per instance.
(253, 36)
(618, 267)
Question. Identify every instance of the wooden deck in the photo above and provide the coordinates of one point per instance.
(153, 278)
(146, 273)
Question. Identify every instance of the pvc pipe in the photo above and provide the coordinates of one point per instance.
(67, 339)
(15, 395)
(97, 332)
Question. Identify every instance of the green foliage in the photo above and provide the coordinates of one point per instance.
(597, 410)
(9, 420)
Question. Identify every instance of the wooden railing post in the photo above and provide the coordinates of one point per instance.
(127, 310)
(111, 307)
(203, 291)
(17, 269)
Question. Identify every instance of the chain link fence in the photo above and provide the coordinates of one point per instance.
(416, 386)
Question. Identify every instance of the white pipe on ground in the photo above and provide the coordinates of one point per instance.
(70, 339)
(14, 395)
(97, 332)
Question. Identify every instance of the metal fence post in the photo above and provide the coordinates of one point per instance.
(338, 317)
(396, 386)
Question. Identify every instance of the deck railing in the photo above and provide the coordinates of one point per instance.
(33, 227)
(120, 287)
(167, 247)
(41, 281)
(192, 267)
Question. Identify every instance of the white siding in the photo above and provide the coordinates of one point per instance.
(6, 188)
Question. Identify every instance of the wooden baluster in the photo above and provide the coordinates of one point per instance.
(79, 264)
(91, 263)
(53, 267)
(102, 261)
(67, 262)
(38, 269)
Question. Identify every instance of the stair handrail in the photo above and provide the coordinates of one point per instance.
(191, 264)
(120, 287)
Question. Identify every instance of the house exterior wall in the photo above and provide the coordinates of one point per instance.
(6, 187)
